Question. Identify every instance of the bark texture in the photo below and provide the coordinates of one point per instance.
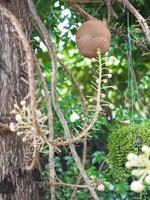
(14, 185)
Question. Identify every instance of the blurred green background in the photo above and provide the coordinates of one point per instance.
(130, 68)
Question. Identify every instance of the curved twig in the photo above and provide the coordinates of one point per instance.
(34, 161)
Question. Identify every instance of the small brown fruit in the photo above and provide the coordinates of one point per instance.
(91, 36)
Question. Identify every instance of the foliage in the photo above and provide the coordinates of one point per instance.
(131, 100)
(124, 140)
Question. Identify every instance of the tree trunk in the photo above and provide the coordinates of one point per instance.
(13, 184)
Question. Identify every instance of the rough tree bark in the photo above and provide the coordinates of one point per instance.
(13, 184)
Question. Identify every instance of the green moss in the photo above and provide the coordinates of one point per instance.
(124, 140)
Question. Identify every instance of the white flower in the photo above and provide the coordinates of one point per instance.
(74, 117)
(109, 75)
(115, 87)
(18, 117)
(101, 187)
(16, 106)
(13, 111)
(105, 81)
(132, 156)
(12, 126)
(23, 103)
(147, 179)
(146, 149)
(137, 172)
(93, 60)
(24, 139)
(137, 186)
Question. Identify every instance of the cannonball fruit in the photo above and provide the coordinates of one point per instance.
(91, 36)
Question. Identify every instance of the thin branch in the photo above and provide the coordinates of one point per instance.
(34, 161)
(45, 185)
(83, 1)
(66, 143)
(55, 97)
(108, 10)
(120, 33)
(138, 16)
(82, 12)
(50, 126)
(70, 185)
(85, 114)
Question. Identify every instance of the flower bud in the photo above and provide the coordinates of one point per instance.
(18, 117)
(93, 60)
(19, 133)
(92, 177)
(23, 103)
(98, 51)
(13, 111)
(23, 139)
(12, 126)
(105, 81)
(115, 87)
(74, 117)
(109, 75)
(16, 106)
(101, 187)
(137, 186)
(35, 145)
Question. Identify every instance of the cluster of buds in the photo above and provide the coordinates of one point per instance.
(97, 184)
(25, 128)
(104, 74)
(141, 169)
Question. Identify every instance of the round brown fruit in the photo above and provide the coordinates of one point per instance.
(91, 36)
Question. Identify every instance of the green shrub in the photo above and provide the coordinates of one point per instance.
(123, 140)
